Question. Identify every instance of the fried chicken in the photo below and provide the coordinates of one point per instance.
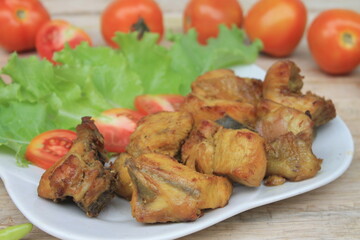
(276, 120)
(224, 84)
(123, 186)
(214, 109)
(167, 191)
(291, 157)
(80, 174)
(237, 154)
(289, 135)
(162, 132)
(283, 85)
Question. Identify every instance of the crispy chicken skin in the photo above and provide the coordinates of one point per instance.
(237, 154)
(276, 120)
(162, 132)
(214, 109)
(291, 157)
(224, 84)
(167, 191)
(80, 174)
(123, 186)
(283, 85)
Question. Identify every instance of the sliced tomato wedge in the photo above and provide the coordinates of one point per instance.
(116, 125)
(148, 104)
(48, 147)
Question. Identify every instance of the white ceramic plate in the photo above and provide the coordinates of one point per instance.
(333, 144)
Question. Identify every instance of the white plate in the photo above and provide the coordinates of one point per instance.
(333, 144)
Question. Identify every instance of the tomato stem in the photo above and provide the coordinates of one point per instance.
(141, 27)
(348, 39)
(21, 14)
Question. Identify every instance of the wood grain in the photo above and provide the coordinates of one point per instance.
(330, 212)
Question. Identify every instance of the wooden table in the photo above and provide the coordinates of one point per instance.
(330, 212)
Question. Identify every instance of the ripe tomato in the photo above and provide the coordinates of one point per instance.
(334, 40)
(279, 24)
(48, 147)
(53, 36)
(131, 15)
(116, 125)
(148, 104)
(206, 16)
(20, 20)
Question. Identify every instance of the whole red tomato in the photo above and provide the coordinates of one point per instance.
(53, 36)
(206, 16)
(279, 24)
(334, 40)
(131, 15)
(19, 22)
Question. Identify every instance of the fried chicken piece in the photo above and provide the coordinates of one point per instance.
(291, 157)
(224, 84)
(283, 85)
(123, 186)
(80, 174)
(237, 154)
(214, 109)
(276, 120)
(162, 132)
(167, 191)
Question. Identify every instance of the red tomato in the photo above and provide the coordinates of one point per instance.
(279, 24)
(20, 20)
(206, 16)
(53, 36)
(131, 15)
(148, 104)
(48, 147)
(334, 40)
(116, 125)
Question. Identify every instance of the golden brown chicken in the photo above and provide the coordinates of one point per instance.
(224, 84)
(283, 85)
(80, 174)
(167, 191)
(162, 132)
(123, 186)
(276, 120)
(289, 135)
(237, 154)
(291, 157)
(214, 109)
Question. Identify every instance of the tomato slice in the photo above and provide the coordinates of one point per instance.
(148, 104)
(116, 125)
(48, 147)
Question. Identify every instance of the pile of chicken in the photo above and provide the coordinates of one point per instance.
(229, 130)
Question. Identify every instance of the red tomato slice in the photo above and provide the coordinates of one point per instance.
(53, 36)
(48, 147)
(148, 104)
(116, 125)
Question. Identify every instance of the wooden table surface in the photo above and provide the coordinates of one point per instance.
(330, 212)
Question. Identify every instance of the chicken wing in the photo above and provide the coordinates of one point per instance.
(224, 84)
(237, 154)
(80, 174)
(167, 191)
(214, 109)
(283, 85)
(162, 132)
